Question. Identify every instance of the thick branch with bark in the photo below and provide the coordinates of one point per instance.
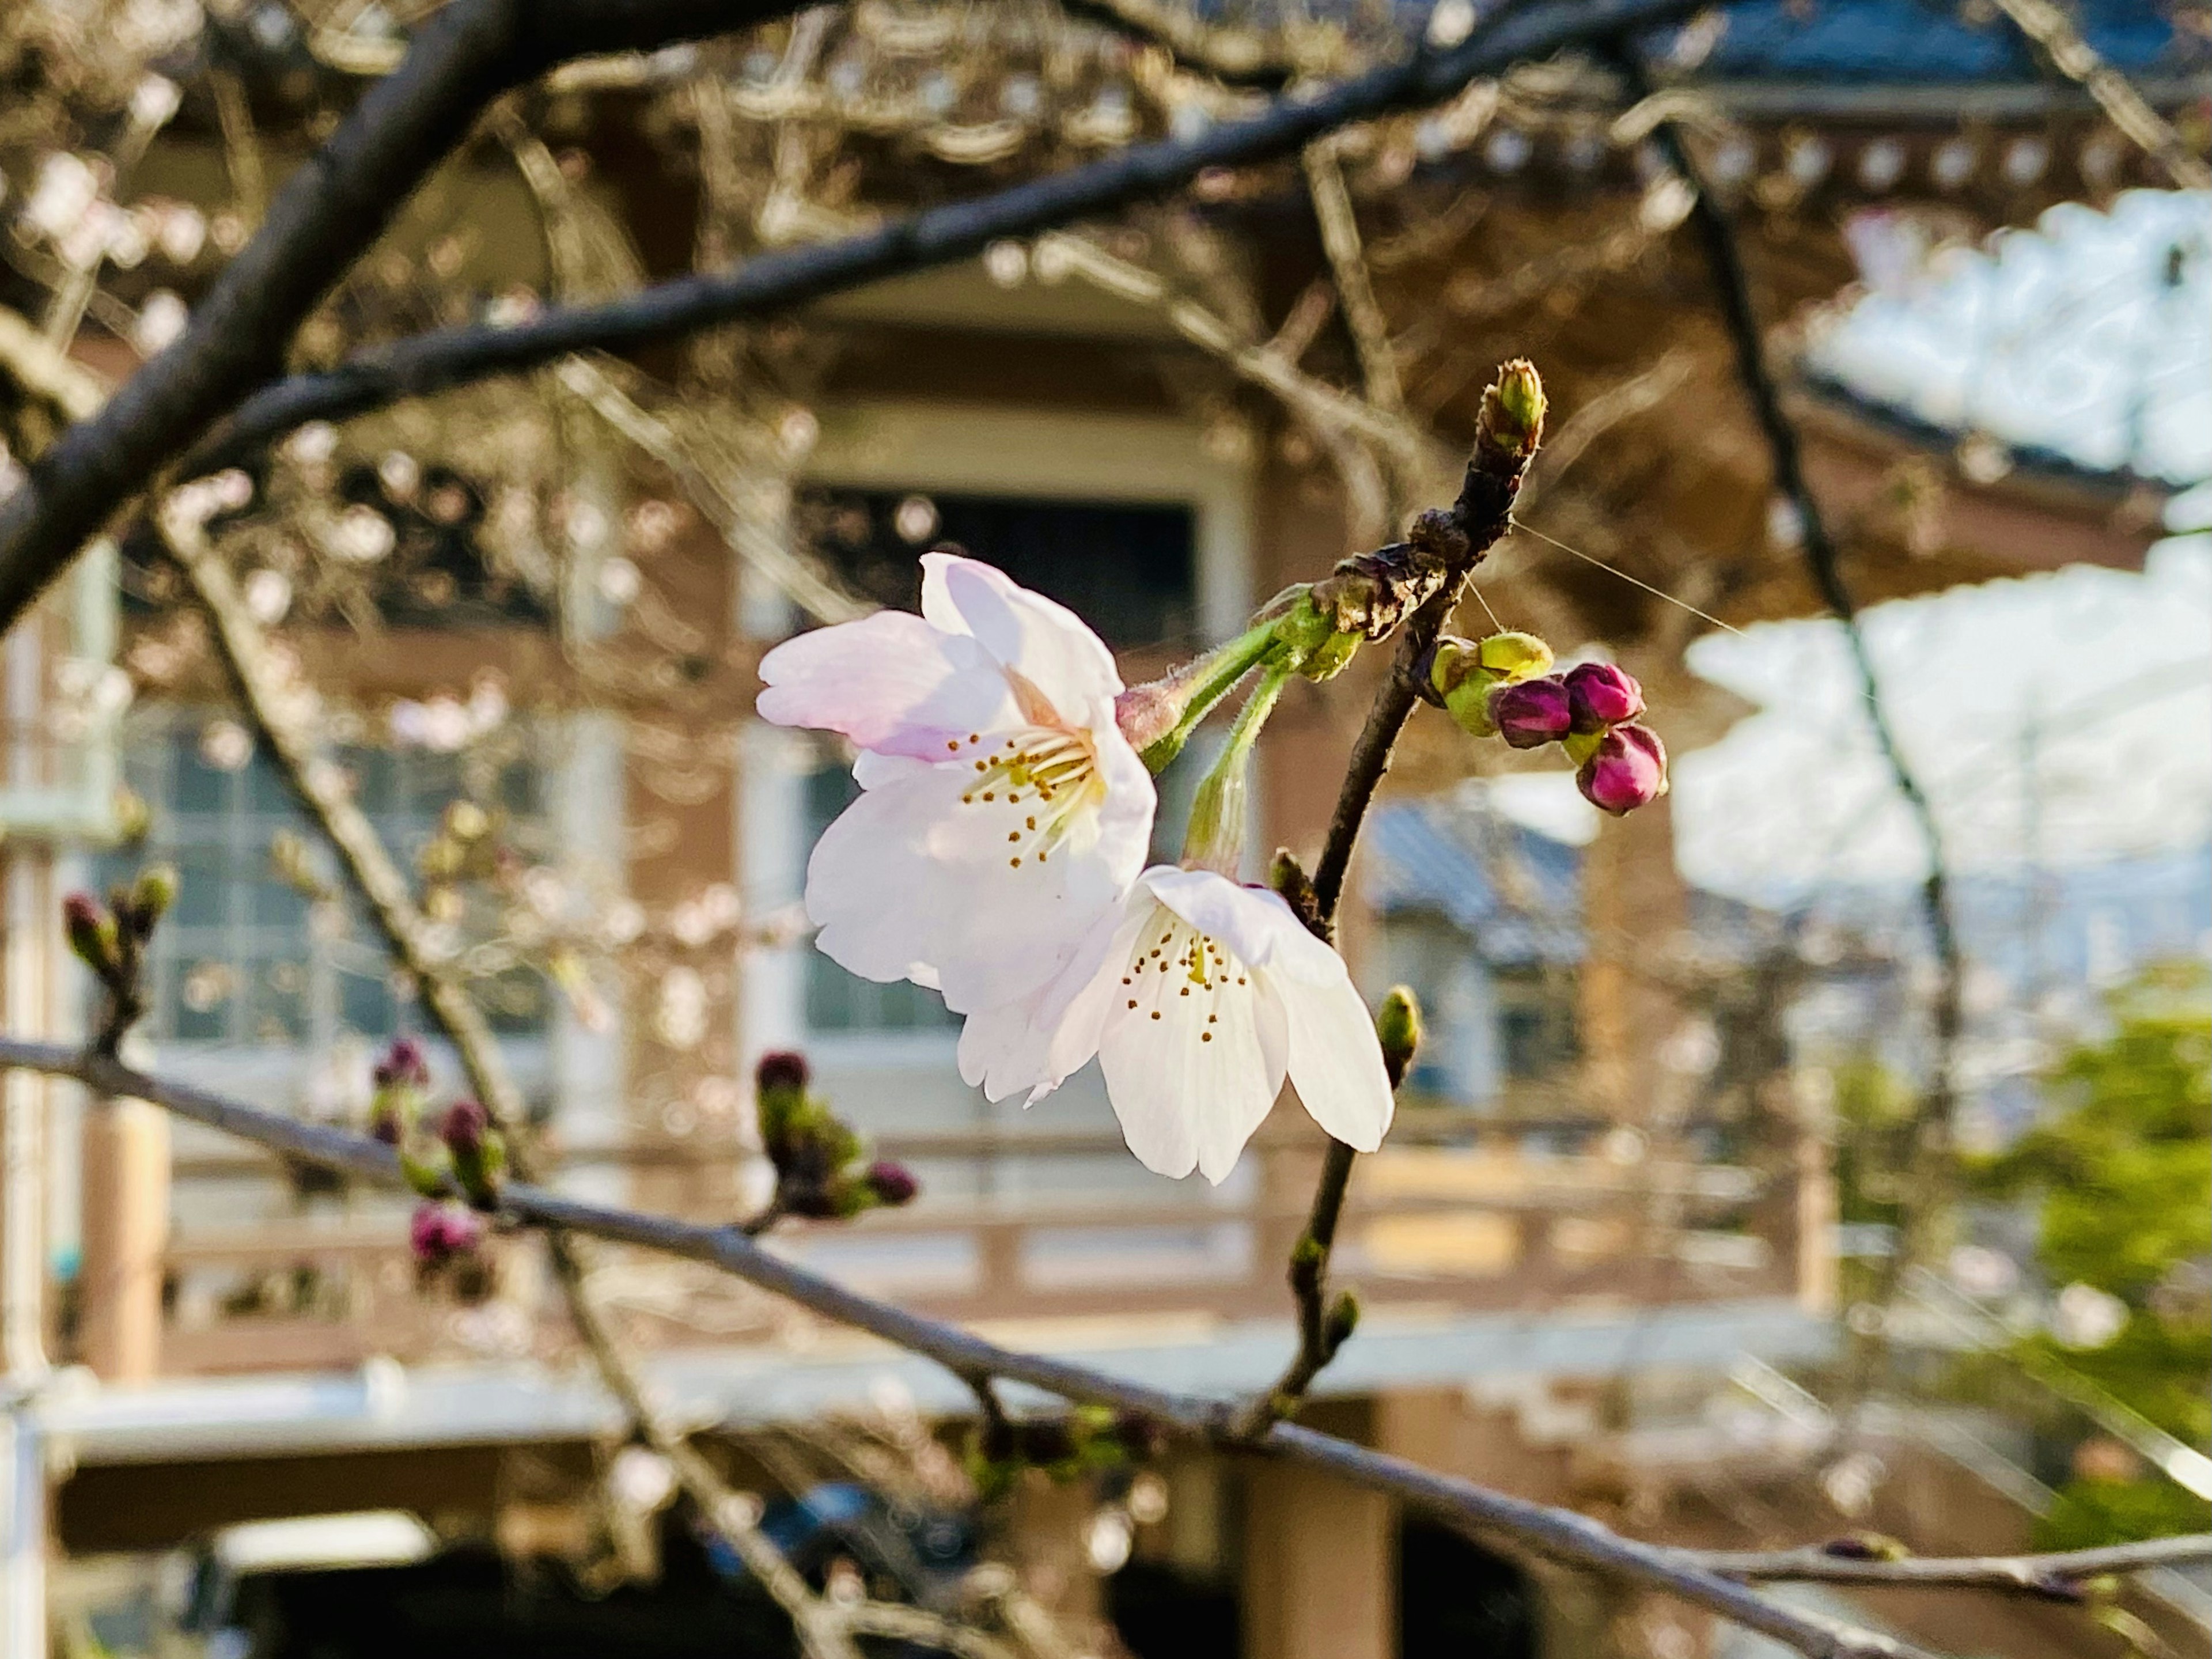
(329, 212)
(433, 361)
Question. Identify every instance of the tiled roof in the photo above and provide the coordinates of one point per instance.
(1517, 894)
(1923, 41)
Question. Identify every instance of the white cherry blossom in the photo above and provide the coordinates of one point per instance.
(1200, 1002)
(1002, 813)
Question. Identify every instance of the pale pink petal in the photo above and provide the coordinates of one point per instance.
(873, 769)
(1191, 1076)
(1254, 922)
(919, 872)
(1125, 816)
(1336, 1062)
(1045, 642)
(889, 682)
(1036, 1043)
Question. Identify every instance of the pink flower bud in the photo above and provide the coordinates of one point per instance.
(439, 1232)
(783, 1069)
(466, 1125)
(1600, 696)
(892, 1183)
(403, 1062)
(1532, 714)
(1148, 713)
(1627, 770)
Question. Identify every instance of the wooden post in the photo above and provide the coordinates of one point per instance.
(1048, 1526)
(1633, 900)
(1815, 1230)
(126, 1233)
(1320, 1568)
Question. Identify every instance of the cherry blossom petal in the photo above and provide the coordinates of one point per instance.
(922, 874)
(1253, 922)
(1036, 1043)
(1045, 643)
(1190, 1077)
(1336, 1062)
(889, 682)
(871, 769)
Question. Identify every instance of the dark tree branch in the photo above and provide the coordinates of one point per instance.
(1561, 1535)
(1823, 561)
(442, 358)
(331, 209)
(1429, 573)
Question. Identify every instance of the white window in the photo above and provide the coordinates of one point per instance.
(246, 974)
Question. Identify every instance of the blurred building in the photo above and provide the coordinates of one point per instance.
(1565, 1257)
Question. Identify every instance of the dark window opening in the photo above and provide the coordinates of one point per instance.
(1458, 1602)
(1165, 1611)
(1128, 569)
(1538, 1031)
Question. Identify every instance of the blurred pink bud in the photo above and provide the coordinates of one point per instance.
(1532, 714)
(892, 1183)
(1601, 696)
(466, 1125)
(782, 1069)
(403, 1062)
(439, 1232)
(1627, 770)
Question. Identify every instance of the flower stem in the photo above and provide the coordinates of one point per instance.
(1196, 687)
(1215, 840)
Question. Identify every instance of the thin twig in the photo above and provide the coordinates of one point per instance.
(1461, 537)
(2127, 109)
(1559, 1535)
(1319, 1337)
(2056, 1576)
(46, 371)
(774, 283)
(1347, 262)
(1928, 1134)
(1232, 53)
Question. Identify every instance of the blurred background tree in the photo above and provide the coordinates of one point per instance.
(2122, 1165)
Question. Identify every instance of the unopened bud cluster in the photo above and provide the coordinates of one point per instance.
(1503, 687)
(110, 940)
(458, 1154)
(448, 1242)
(821, 1169)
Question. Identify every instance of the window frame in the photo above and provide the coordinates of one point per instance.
(561, 1060)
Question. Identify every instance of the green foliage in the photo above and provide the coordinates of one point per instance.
(2125, 1164)
(2122, 1168)
(1873, 1122)
(2092, 1513)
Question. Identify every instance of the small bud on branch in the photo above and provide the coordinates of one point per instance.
(1398, 1027)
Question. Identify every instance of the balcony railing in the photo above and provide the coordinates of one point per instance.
(1456, 1216)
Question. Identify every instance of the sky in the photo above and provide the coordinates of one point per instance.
(2063, 718)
